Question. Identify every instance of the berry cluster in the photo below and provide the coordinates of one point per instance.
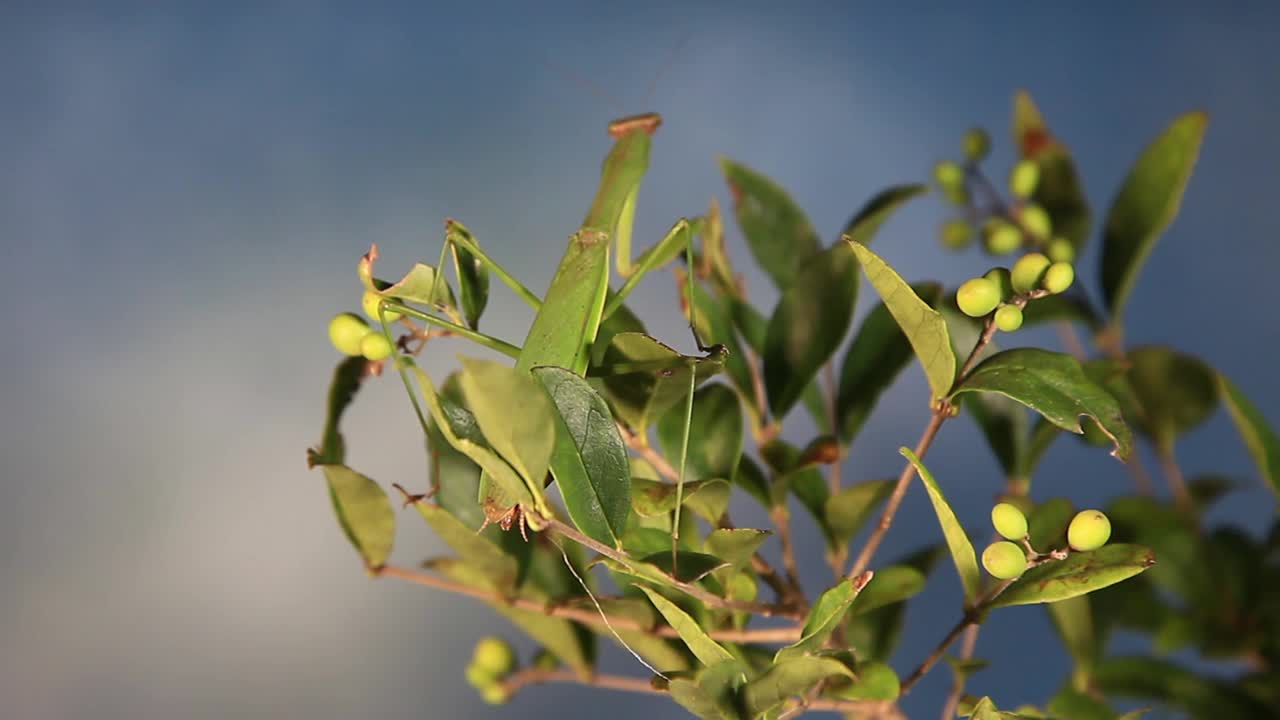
(351, 335)
(1006, 228)
(1007, 559)
(492, 661)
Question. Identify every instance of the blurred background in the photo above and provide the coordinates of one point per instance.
(184, 194)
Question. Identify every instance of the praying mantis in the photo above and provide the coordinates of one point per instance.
(567, 321)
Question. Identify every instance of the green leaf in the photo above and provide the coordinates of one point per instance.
(891, 584)
(1258, 435)
(524, 439)
(459, 427)
(1074, 704)
(621, 321)
(713, 694)
(875, 681)
(825, 615)
(1080, 573)
(342, 390)
(876, 632)
(1059, 191)
(868, 220)
(708, 651)
(473, 275)
(879, 352)
(715, 433)
(848, 510)
(1042, 436)
(644, 378)
(1167, 682)
(364, 512)
(486, 561)
(751, 478)
(689, 566)
(713, 317)
(1004, 423)
(1074, 622)
(1146, 204)
(735, 545)
(808, 324)
(957, 540)
(414, 287)
(1176, 392)
(708, 498)
(776, 229)
(1054, 385)
(590, 459)
(1048, 523)
(923, 326)
(987, 710)
(789, 678)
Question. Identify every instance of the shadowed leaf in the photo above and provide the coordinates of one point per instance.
(789, 678)
(776, 229)
(364, 512)
(1258, 435)
(342, 390)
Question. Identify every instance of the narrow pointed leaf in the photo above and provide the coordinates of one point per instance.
(1060, 190)
(1073, 620)
(1258, 435)
(776, 229)
(689, 566)
(415, 287)
(789, 678)
(864, 225)
(525, 439)
(473, 275)
(1146, 204)
(342, 390)
(848, 510)
(1071, 703)
(715, 433)
(891, 584)
(879, 352)
(808, 324)
(1054, 385)
(644, 378)
(708, 651)
(875, 681)
(1080, 573)
(590, 459)
(957, 541)
(712, 695)
(1175, 392)
(364, 512)
(825, 615)
(735, 546)
(708, 498)
(923, 326)
(496, 568)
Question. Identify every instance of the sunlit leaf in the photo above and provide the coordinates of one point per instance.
(875, 681)
(364, 512)
(825, 615)
(735, 546)
(1146, 204)
(415, 287)
(644, 378)
(496, 568)
(708, 498)
(789, 678)
(688, 566)
(891, 584)
(708, 651)
(1080, 573)
(525, 439)
(962, 554)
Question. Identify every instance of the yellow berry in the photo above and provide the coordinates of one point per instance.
(1009, 521)
(479, 678)
(1028, 271)
(1058, 277)
(1004, 560)
(977, 297)
(370, 303)
(1023, 178)
(1089, 530)
(495, 655)
(346, 330)
(1008, 318)
(495, 694)
(1000, 276)
(1060, 249)
(948, 174)
(977, 143)
(375, 346)
(1001, 236)
(1036, 221)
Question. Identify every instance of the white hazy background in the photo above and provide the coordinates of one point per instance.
(184, 194)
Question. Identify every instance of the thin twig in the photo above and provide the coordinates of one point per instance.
(781, 518)
(585, 615)
(971, 617)
(1071, 340)
(967, 646)
(533, 676)
(1177, 481)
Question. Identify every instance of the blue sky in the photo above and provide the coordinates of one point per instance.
(184, 194)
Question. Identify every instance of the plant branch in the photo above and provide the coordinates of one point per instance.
(585, 615)
(1177, 481)
(971, 617)
(967, 646)
(534, 676)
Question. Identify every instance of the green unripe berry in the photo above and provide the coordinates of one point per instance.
(1001, 237)
(1058, 277)
(1000, 276)
(1061, 250)
(495, 655)
(956, 234)
(1023, 178)
(1009, 521)
(948, 174)
(1004, 560)
(1089, 530)
(1036, 221)
(977, 143)
(977, 297)
(1028, 271)
(494, 694)
(375, 346)
(346, 330)
(1008, 318)
(480, 678)
(370, 303)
